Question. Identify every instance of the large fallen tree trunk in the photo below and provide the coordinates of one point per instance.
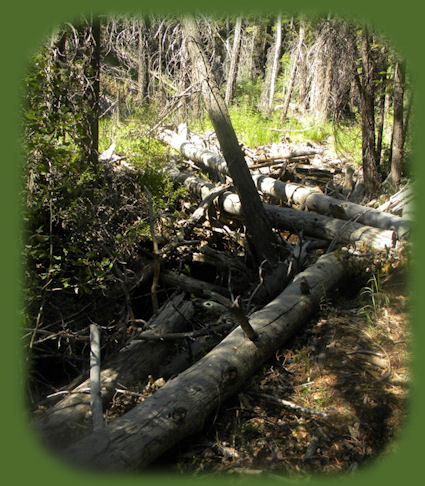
(71, 418)
(320, 203)
(306, 197)
(316, 225)
(183, 405)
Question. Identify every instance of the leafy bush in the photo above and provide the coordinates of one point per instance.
(85, 223)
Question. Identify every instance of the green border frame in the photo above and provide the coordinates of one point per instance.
(23, 28)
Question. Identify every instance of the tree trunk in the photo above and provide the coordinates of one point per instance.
(263, 239)
(142, 71)
(318, 202)
(184, 404)
(95, 394)
(326, 94)
(250, 69)
(275, 67)
(381, 118)
(367, 110)
(234, 62)
(407, 115)
(293, 73)
(295, 220)
(95, 90)
(380, 129)
(397, 136)
(266, 99)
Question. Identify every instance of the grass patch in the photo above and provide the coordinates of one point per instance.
(254, 129)
(146, 155)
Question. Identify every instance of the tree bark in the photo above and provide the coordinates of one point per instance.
(295, 220)
(266, 98)
(263, 239)
(95, 394)
(397, 136)
(326, 93)
(275, 67)
(381, 118)
(293, 73)
(142, 71)
(251, 64)
(320, 203)
(184, 404)
(234, 62)
(94, 93)
(367, 110)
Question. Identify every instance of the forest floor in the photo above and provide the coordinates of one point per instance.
(349, 370)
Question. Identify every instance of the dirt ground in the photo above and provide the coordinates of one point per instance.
(344, 382)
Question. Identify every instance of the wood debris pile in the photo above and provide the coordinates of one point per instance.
(222, 317)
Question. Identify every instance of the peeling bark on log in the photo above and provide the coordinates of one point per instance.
(341, 231)
(329, 206)
(70, 419)
(316, 225)
(287, 192)
(183, 405)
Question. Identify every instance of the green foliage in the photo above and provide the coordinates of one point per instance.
(306, 128)
(252, 127)
(376, 300)
(347, 139)
(247, 92)
(83, 221)
(147, 156)
(57, 170)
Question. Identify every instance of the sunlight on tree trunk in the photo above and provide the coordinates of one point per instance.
(254, 215)
(397, 137)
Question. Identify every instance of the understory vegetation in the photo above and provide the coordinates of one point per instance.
(92, 226)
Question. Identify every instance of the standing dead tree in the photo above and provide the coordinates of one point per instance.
(234, 62)
(259, 229)
(266, 99)
(293, 72)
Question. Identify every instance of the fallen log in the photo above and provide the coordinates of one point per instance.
(71, 418)
(318, 202)
(182, 406)
(316, 225)
(220, 259)
(268, 160)
(181, 144)
(398, 201)
(306, 197)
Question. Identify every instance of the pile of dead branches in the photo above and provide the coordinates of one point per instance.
(216, 318)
